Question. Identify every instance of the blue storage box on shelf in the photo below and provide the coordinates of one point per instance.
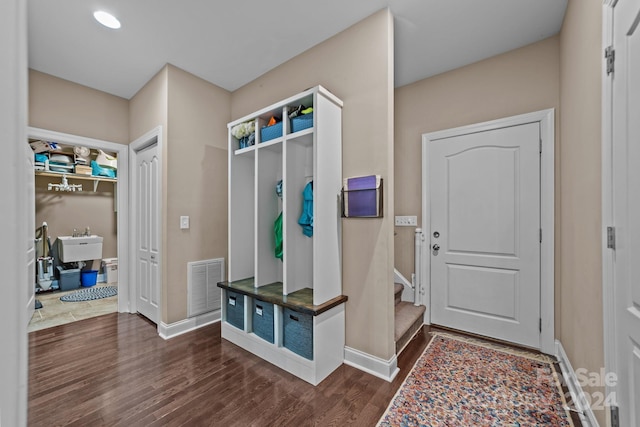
(298, 333)
(301, 122)
(235, 309)
(263, 320)
(271, 132)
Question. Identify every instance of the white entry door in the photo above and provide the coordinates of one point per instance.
(485, 232)
(626, 207)
(148, 232)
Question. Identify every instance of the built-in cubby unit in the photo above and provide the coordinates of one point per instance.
(293, 296)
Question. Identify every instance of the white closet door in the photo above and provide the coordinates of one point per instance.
(148, 225)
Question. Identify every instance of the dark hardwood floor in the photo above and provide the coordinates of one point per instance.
(115, 370)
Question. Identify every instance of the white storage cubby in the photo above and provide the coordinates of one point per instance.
(308, 279)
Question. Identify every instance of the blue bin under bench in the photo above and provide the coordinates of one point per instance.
(289, 331)
(235, 309)
(298, 333)
(263, 320)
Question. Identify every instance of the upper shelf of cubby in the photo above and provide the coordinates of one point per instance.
(279, 110)
(301, 98)
(275, 141)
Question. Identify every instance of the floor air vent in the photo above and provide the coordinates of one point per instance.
(202, 280)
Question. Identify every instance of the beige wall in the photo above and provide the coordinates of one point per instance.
(198, 113)
(68, 107)
(357, 66)
(517, 82)
(580, 266)
(194, 115)
(65, 211)
(63, 106)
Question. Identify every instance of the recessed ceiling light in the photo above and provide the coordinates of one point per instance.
(106, 19)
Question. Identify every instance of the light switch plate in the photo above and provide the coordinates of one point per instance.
(407, 221)
(184, 222)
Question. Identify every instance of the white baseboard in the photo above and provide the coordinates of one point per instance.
(385, 369)
(587, 417)
(168, 331)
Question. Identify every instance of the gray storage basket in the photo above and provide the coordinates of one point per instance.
(263, 320)
(235, 309)
(298, 333)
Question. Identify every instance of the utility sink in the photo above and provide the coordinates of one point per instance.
(81, 248)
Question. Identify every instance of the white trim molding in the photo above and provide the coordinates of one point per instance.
(385, 369)
(546, 119)
(608, 218)
(587, 417)
(172, 330)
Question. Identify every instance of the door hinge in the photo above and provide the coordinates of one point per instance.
(610, 56)
(611, 237)
(541, 235)
(540, 145)
(615, 417)
(540, 325)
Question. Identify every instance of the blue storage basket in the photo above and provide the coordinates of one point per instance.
(301, 122)
(263, 320)
(89, 278)
(271, 132)
(235, 309)
(298, 333)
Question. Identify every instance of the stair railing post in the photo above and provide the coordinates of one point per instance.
(417, 265)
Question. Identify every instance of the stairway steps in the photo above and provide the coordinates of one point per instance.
(408, 320)
(397, 291)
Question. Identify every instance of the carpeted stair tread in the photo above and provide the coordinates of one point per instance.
(397, 292)
(406, 316)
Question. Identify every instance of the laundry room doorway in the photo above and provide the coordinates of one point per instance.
(90, 204)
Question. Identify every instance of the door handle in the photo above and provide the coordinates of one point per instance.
(436, 247)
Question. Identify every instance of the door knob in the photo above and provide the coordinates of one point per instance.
(436, 247)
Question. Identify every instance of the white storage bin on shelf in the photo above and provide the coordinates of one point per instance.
(307, 278)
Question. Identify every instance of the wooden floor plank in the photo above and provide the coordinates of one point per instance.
(115, 370)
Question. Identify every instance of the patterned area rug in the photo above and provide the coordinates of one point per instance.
(469, 382)
(90, 294)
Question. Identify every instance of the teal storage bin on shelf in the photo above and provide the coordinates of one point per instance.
(89, 278)
(303, 121)
(97, 170)
(271, 132)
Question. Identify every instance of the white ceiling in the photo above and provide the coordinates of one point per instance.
(230, 43)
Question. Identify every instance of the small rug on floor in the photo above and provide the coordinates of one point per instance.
(90, 294)
(469, 382)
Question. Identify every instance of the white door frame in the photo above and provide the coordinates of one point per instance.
(122, 186)
(547, 191)
(154, 136)
(608, 219)
(14, 353)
